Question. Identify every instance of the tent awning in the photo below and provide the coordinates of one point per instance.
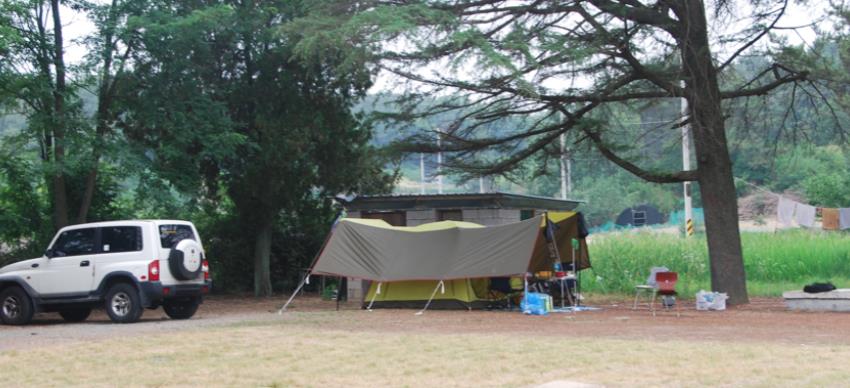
(374, 250)
(360, 250)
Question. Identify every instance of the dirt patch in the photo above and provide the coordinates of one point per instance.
(763, 320)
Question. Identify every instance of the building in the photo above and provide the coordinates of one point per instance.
(412, 210)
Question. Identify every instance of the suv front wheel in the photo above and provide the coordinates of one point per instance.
(15, 306)
(181, 309)
(123, 304)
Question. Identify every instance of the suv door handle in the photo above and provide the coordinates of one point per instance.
(35, 265)
(84, 263)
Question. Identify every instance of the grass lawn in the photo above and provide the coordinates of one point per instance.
(774, 262)
(312, 349)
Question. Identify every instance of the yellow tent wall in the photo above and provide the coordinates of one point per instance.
(463, 290)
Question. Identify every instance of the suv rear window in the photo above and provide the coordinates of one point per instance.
(117, 239)
(169, 235)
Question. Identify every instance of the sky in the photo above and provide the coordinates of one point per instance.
(77, 25)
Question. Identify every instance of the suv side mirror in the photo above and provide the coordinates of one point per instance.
(48, 253)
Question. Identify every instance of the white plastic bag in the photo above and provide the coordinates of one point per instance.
(711, 300)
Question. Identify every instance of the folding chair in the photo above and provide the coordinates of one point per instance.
(651, 287)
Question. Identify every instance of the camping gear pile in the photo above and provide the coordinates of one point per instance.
(450, 264)
(711, 300)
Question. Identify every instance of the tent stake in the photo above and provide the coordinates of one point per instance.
(291, 297)
(432, 297)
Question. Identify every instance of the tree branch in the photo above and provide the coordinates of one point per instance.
(676, 177)
(756, 39)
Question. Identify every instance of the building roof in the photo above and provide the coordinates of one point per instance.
(496, 200)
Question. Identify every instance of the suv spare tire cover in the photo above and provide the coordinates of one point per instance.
(185, 259)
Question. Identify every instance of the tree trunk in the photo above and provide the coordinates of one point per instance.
(104, 108)
(262, 254)
(714, 165)
(60, 196)
(104, 105)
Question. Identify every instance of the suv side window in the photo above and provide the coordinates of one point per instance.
(75, 242)
(169, 235)
(116, 239)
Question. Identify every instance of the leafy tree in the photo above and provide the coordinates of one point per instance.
(225, 110)
(106, 66)
(36, 82)
(36, 77)
(568, 63)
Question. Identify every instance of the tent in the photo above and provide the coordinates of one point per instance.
(459, 293)
(407, 262)
(640, 215)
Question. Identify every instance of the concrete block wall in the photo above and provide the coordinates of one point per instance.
(419, 217)
(491, 217)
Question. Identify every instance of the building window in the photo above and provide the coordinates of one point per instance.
(450, 215)
(392, 218)
(526, 214)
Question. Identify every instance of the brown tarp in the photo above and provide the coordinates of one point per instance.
(373, 250)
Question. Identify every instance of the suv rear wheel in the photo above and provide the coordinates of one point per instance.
(123, 304)
(181, 309)
(15, 306)
(75, 314)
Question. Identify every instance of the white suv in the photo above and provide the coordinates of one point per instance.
(126, 265)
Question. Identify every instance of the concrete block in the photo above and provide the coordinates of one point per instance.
(488, 213)
(512, 214)
(355, 289)
(836, 300)
(421, 215)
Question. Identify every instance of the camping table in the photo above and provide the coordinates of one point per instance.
(563, 283)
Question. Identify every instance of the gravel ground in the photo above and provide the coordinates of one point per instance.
(763, 320)
(49, 328)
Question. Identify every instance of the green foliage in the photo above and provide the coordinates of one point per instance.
(774, 263)
(240, 120)
(24, 224)
(828, 189)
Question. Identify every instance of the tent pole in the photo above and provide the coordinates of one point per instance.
(375, 295)
(557, 254)
(432, 297)
(578, 278)
(338, 291)
(312, 264)
(291, 297)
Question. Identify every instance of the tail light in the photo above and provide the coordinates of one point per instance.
(205, 266)
(153, 271)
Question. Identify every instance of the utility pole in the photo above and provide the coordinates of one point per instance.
(686, 166)
(566, 169)
(439, 163)
(421, 173)
(481, 185)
